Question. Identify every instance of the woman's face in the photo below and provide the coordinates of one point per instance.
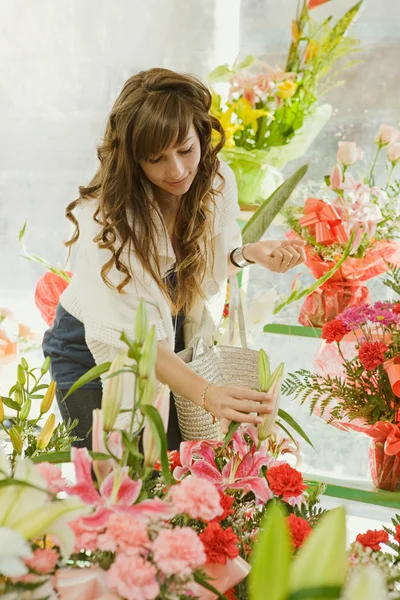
(175, 169)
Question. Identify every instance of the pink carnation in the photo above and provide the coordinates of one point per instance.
(197, 498)
(133, 578)
(53, 477)
(178, 551)
(43, 561)
(123, 532)
(86, 537)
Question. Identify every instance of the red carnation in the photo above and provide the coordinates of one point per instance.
(219, 544)
(299, 528)
(334, 331)
(230, 594)
(226, 503)
(285, 481)
(397, 536)
(372, 354)
(396, 308)
(314, 3)
(174, 460)
(373, 538)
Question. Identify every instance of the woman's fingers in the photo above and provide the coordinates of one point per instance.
(240, 417)
(243, 393)
(247, 406)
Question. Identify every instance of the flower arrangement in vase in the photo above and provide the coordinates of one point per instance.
(271, 114)
(345, 207)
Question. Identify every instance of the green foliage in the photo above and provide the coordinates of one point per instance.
(392, 279)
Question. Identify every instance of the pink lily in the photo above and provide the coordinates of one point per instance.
(188, 450)
(102, 468)
(239, 474)
(117, 493)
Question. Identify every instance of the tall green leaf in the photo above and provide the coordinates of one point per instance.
(271, 558)
(290, 421)
(258, 224)
(159, 434)
(90, 375)
(65, 457)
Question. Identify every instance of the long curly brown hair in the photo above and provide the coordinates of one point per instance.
(154, 111)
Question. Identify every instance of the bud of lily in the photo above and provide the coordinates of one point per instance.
(25, 410)
(148, 390)
(24, 364)
(112, 395)
(141, 324)
(16, 440)
(264, 371)
(151, 446)
(1, 410)
(336, 177)
(149, 354)
(21, 375)
(18, 397)
(45, 366)
(44, 436)
(48, 398)
(274, 391)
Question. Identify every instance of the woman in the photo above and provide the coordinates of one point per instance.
(158, 221)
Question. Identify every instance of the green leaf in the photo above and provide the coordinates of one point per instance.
(204, 583)
(246, 63)
(271, 557)
(10, 403)
(290, 421)
(322, 561)
(258, 224)
(129, 445)
(307, 291)
(233, 427)
(65, 457)
(37, 388)
(22, 232)
(90, 375)
(320, 593)
(220, 74)
(159, 434)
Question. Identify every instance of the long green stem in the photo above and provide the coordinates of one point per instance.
(371, 174)
(390, 175)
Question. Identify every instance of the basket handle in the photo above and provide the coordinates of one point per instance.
(199, 344)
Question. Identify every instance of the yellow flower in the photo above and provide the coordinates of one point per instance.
(311, 50)
(287, 89)
(229, 128)
(248, 114)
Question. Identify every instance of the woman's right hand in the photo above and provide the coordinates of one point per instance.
(235, 403)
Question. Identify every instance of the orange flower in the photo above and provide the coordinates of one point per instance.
(314, 3)
(48, 291)
(311, 50)
(295, 33)
(373, 539)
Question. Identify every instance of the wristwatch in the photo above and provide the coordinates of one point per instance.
(238, 259)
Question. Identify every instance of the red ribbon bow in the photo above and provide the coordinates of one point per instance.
(324, 222)
(392, 368)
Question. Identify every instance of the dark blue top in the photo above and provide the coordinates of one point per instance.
(70, 357)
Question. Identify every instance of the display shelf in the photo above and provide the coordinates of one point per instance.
(298, 330)
(355, 491)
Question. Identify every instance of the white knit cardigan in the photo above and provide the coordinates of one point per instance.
(105, 312)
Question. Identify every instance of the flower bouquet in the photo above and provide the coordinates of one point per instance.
(271, 115)
(347, 207)
(365, 396)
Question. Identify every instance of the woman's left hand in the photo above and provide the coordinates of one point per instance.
(277, 256)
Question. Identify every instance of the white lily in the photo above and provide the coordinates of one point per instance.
(28, 510)
(13, 549)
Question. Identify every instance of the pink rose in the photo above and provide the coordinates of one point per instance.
(393, 153)
(178, 551)
(197, 498)
(349, 153)
(386, 135)
(336, 177)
